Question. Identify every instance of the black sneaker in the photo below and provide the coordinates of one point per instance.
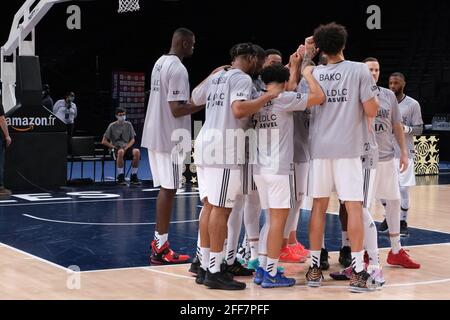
(324, 265)
(200, 278)
(121, 180)
(403, 228)
(195, 265)
(134, 180)
(361, 282)
(345, 256)
(223, 281)
(238, 270)
(383, 226)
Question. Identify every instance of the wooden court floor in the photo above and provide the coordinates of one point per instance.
(23, 276)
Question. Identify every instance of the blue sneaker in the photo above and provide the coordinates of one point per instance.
(254, 265)
(259, 276)
(278, 281)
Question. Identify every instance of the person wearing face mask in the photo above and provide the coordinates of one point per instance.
(120, 137)
(66, 110)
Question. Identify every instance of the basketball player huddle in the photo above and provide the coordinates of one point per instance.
(272, 135)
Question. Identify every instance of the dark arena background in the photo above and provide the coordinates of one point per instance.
(88, 238)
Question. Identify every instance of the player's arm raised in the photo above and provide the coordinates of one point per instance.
(315, 95)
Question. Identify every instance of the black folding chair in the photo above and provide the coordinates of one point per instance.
(83, 150)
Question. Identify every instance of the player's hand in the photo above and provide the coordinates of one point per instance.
(8, 141)
(404, 162)
(310, 47)
(301, 50)
(295, 60)
(274, 90)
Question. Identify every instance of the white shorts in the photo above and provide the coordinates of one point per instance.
(386, 181)
(220, 186)
(407, 178)
(343, 175)
(301, 171)
(275, 191)
(167, 169)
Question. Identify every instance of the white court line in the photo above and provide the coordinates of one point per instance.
(85, 201)
(103, 224)
(117, 269)
(37, 258)
(170, 274)
(134, 268)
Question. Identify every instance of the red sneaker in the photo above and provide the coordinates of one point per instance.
(402, 259)
(299, 249)
(287, 255)
(165, 255)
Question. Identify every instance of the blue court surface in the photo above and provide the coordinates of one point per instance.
(107, 227)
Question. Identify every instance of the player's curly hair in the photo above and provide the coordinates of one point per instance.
(275, 73)
(243, 49)
(331, 38)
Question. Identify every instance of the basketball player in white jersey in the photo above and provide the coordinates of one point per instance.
(247, 206)
(337, 146)
(388, 128)
(274, 175)
(168, 110)
(219, 160)
(412, 125)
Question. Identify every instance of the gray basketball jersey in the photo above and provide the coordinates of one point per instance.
(411, 116)
(388, 115)
(170, 82)
(336, 132)
(275, 131)
(215, 145)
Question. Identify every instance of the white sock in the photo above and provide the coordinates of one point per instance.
(370, 237)
(215, 260)
(396, 245)
(119, 170)
(254, 245)
(315, 258)
(393, 216)
(134, 170)
(271, 266)
(345, 242)
(204, 258)
(160, 239)
(262, 261)
(358, 261)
